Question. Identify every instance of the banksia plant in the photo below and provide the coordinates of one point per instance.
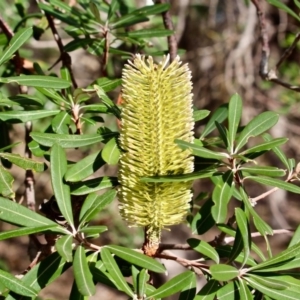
(157, 110)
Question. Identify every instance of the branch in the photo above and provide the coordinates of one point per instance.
(265, 73)
(172, 43)
(65, 58)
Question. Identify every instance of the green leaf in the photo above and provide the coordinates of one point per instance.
(25, 231)
(271, 292)
(227, 291)
(209, 291)
(113, 7)
(142, 279)
(244, 291)
(17, 214)
(267, 171)
(201, 151)
(234, 118)
(75, 294)
(200, 114)
(219, 115)
(189, 291)
(276, 150)
(93, 185)
(16, 285)
(25, 116)
(111, 152)
(285, 260)
(295, 238)
(284, 7)
(221, 195)
(136, 258)
(270, 282)
(64, 247)
(108, 84)
(58, 163)
(107, 101)
(23, 162)
(15, 43)
(94, 204)
(53, 95)
(69, 141)
(93, 230)
(243, 226)
(223, 272)
(276, 183)
(223, 133)
(113, 269)
(152, 9)
(38, 81)
(266, 146)
(203, 220)
(204, 248)
(6, 183)
(259, 223)
(60, 123)
(25, 100)
(85, 167)
(146, 33)
(128, 20)
(172, 286)
(82, 274)
(256, 126)
(44, 272)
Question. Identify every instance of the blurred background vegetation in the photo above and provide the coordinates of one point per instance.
(220, 41)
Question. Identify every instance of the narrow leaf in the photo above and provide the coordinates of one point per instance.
(276, 183)
(6, 183)
(266, 146)
(15, 43)
(204, 248)
(208, 291)
(173, 286)
(64, 247)
(93, 185)
(69, 141)
(243, 226)
(17, 214)
(25, 231)
(201, 151)
(189, 291)
(111, 152)
(142, 279)
(85, 167)
(60, 123)
(223, 272)
(219, 115)
(256, 126)
(221, 195)
(94, 204)
(113, 269)
(234, 118)
(136, 258)
(38, 81)
(23, 162)
(284, 7)
(25, 116)
(200, 114)
(267, 171)
(147, 33)
(82, 274)
(16, 285)
(58, 163)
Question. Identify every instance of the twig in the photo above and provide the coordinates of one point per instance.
(65, 58)
(231, 239)
(172, 42)
(265, 73)
(163, 247)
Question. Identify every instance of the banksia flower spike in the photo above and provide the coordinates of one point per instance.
(157, 109)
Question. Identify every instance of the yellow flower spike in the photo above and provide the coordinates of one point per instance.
(157, 109)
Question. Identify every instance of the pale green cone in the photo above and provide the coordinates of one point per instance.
(157, 109)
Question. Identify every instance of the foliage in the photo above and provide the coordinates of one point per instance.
(233, 265)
